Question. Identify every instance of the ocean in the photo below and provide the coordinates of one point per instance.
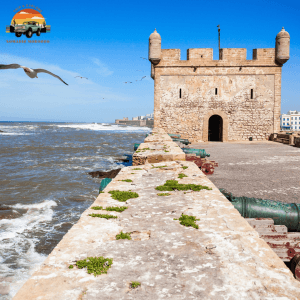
(45, 186)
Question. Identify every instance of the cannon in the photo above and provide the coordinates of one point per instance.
(183, 141)
(104, 183)
(135, 146)
(198, 152)
(287, 214)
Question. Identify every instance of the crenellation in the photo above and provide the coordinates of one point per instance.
(264, 55)
(200, 54)
(170, 54)
(233, 54)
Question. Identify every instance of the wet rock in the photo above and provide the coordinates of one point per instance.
(109, 174)
(9, 214)
(1, 131)
(2, 207)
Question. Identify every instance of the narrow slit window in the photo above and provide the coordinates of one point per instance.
(216, 91)
(251, 93)
(179, 93)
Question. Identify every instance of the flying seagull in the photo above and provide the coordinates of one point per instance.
(141, 79)
(32, 73)
(81, 77)
(143, 58)
(128, 82)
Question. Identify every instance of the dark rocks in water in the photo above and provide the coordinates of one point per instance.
(9, 214)
(109, 174)
(1, 131)
(2, 207)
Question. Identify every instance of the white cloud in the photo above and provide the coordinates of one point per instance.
(38, 18)
(103, 69)
(24, 12)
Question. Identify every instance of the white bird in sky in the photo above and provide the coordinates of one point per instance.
(32, 73)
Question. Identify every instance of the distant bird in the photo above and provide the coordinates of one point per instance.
(81, 77)
(142, 78)
(143, 58)
(128, 82)
(32, 73)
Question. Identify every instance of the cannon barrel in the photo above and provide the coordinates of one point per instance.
(199, 152)
(136, 146)
(104, 182)
(287, 214)
(183, 141)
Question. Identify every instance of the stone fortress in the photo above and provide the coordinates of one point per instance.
(229, 99)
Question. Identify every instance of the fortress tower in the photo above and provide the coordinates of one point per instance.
(219, 100)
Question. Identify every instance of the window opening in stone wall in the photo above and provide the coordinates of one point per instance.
(179, 93)
(216, 91)
(251, 93)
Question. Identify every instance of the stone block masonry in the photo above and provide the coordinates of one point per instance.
(223, 258)
(230, 99)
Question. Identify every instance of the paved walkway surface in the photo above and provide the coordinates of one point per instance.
(266, 170)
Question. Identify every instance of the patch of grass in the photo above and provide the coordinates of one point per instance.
(135, 284)
(166, 151)
(104, 216)
(158, 167)
(172, 185)
(181, 175)
(163, 194)
(188, 221)
(123, 195)
(110, 208)
(126, 180)
(123, 236)
(95, 265)
(101, 192)
(137, 169)
(184, 167)
(71, 266)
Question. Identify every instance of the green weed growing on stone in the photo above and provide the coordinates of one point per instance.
(123, 236)
(126, 180)
(95, 265)
(135, 284)
(163, 194)
(137, 169)
(71, 266)
(184, 167)
(181, 175)
(172, 185)
(188, 221)
(166, 151)
(158, 167)
(102, 216)
(110, 208)
(123, 195)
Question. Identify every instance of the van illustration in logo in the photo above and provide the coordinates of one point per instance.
(28, 22)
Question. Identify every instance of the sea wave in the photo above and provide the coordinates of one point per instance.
(15, 241)
(100, 127)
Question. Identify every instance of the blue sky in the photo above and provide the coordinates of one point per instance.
(104, 41)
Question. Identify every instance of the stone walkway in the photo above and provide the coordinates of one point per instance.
(266, 170)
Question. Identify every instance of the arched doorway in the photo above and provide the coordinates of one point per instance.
(215, 128)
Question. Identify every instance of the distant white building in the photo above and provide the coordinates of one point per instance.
(290, 121)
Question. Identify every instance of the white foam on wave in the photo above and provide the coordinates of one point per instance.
(15, 242)
(100, 127)
(13, 133)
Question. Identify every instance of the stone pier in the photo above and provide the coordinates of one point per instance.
(221, 257)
